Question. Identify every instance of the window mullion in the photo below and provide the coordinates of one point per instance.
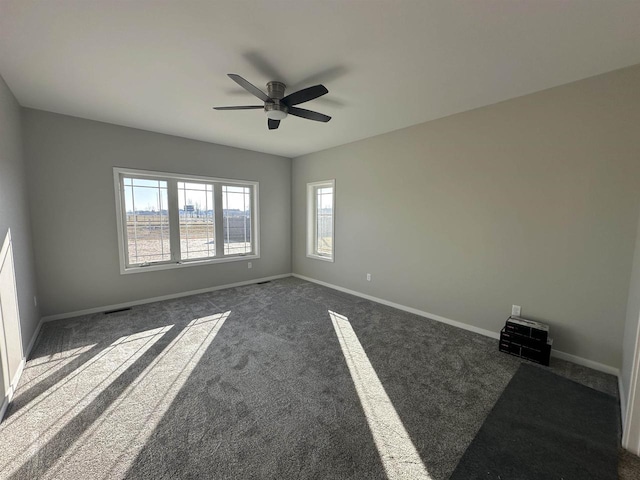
(219, 219)
(174, 219)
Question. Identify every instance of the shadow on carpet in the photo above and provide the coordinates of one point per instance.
(545, 426)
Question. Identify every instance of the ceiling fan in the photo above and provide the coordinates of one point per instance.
(276, 105)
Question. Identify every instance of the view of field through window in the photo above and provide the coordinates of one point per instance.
(197, 222)
(147, 220)
(324, 219)
(146, 205)
(237, 221)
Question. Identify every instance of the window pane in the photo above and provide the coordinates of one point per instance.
(147, 220)
(324, 221)
(197, 220)
(143, 182)
(236, 225)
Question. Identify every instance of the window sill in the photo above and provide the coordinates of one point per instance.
(320, 257)
(187, 263)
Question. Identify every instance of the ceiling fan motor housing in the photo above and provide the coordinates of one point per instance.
(275, 90)
(275, 110)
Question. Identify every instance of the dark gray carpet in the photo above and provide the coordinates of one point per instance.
(628, 465)
(545, 426)
(249, 383)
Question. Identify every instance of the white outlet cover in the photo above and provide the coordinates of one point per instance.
(515, 310)
(249, 265)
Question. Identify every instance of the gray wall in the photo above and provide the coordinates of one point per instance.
(633, 316)
(14, 209)
(533, 201)
(70, 163)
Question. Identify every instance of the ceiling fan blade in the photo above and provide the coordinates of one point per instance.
(308, 114)
(273, 124)
(249, 87)
(241, 107)
(304, 95)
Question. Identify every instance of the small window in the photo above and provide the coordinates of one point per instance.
(167, 220)
(320, 220)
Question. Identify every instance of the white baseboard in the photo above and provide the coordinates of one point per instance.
(16, 377)
(117, 306)
(34, 339)
(623, 401)
(465, 326)
(3, 408)
(12, 389)
(585, 362)
(448, 321)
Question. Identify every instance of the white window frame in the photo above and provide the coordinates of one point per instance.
(312, 212)
(172, 208)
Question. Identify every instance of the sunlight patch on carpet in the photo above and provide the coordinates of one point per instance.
(43, 367)
(54, 408)
(397, 452)
(108, 448)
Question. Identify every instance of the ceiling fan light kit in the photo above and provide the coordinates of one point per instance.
(275, 111)
(276, 105)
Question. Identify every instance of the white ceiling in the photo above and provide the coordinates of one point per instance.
(161, 65)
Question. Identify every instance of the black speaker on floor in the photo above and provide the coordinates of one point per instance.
(526, 339)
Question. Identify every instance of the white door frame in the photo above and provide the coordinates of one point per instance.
(6, 258)
(4, 362)
(631, 427)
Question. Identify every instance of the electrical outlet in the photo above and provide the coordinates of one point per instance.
(515, 310)
(35, 300)
(368, 277)
(249, 265)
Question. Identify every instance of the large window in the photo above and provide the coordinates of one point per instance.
(167, 220)
(320, 220)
